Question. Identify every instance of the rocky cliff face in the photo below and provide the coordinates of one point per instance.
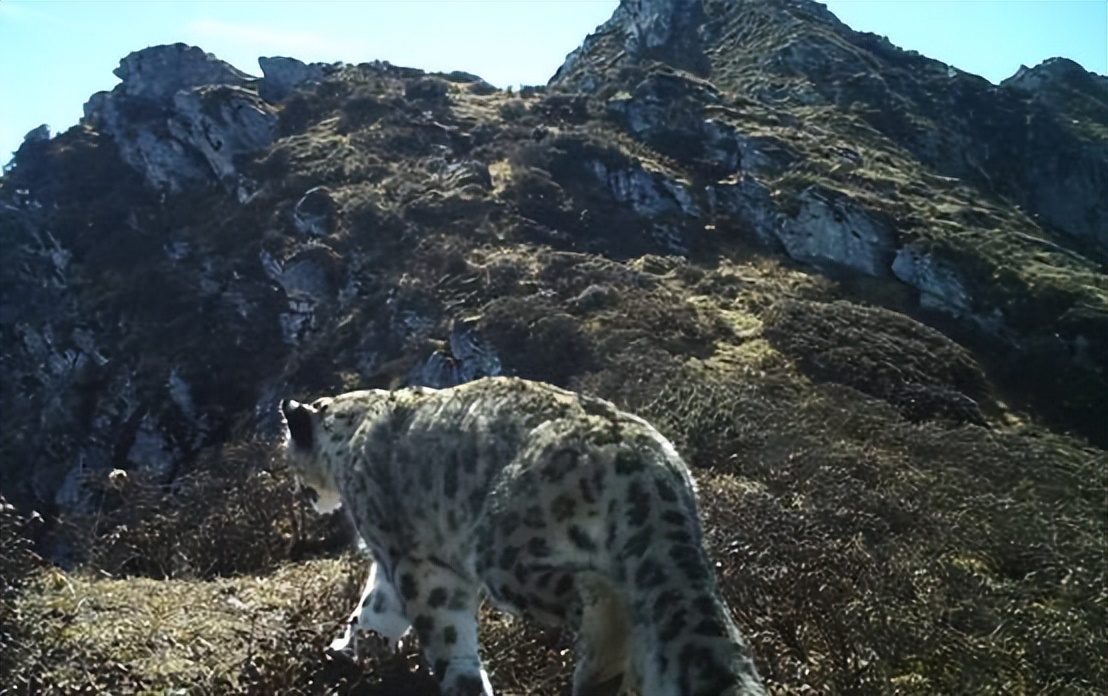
(782, 240)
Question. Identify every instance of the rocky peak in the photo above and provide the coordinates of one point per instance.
(663, 30)
(1065, 88)
(38, 134)
(1056, 72)
(787, 57)
(180, 116)
(159, 72)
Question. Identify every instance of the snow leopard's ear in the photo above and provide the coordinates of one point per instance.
(298, 419)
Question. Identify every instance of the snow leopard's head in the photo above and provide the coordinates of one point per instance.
(304, 424)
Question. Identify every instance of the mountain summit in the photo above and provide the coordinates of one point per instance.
(1045, 153)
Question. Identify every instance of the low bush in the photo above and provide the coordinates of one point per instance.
(234, 512)
(881, 353)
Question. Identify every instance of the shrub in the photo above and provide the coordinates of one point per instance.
(361, 109)
(427, 89)
(234, 512)
(514, 110)
(881, 353)
(538, 340)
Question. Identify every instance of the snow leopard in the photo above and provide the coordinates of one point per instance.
(553, 505)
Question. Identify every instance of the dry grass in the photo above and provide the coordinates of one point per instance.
(234, 512)
(84, 633)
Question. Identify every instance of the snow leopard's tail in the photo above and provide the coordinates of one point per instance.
(684, 642)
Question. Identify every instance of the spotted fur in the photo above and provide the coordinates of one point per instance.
(556, 506)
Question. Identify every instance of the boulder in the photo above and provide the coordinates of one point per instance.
(939, 283)
(466, 357)
(315, 214)
(458, 175)
(281, 75)
(594, 297)
(439, 371)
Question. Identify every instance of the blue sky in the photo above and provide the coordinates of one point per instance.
(55, 53)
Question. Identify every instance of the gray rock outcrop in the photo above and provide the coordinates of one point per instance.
(1052, 71)
(466, 357)
(220, 122)
(746, 202)
(180, 116)
(308, 279)
(683, 117)
(1068, 184)
(664, 201)
(281, 75)
(315, 214)
(37, 134)
(831, 229)
(157, 73)
(939, 283)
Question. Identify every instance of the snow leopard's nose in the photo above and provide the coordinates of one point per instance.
(299, 421)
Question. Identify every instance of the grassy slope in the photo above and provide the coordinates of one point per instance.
(865, 546)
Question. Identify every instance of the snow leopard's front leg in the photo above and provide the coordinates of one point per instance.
(379, 610)
(442, 606)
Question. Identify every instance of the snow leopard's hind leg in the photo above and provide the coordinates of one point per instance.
(442, 606)
(379, 610)
(602, 639)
